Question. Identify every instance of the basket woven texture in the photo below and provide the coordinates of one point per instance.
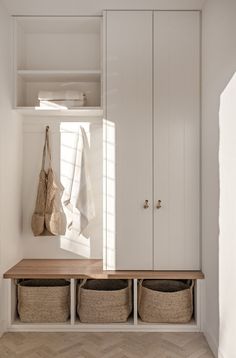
(165, 301)
(41, 301)
(104, 301)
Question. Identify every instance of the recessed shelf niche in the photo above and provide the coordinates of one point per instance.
(57, 54)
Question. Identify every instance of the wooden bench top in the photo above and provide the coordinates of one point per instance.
(61, 268)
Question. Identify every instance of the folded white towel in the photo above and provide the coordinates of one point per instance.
(65, 104)
(61, 95)
(50, 105)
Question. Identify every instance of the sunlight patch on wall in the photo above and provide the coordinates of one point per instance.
(109, 195)
(78, 244)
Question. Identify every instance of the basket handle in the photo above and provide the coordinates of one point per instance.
(79, 290)
(130, 296)
(46, 150)
(129, 283)
(191, 290)
(192, 284)
(140, 283)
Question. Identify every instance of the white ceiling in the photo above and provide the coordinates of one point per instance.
(93, 7)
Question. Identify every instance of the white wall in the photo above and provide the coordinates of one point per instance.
(219, 65)
(54, 247)
(10, 166)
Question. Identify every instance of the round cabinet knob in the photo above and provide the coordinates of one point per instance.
(146, 204)
(159, 204)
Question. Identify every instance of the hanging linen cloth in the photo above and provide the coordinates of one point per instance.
(78, 198)
(48, 217)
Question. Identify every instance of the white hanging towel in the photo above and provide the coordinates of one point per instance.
(85, 202)
(78, 198)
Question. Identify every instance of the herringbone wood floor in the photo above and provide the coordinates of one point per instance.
(104, 345)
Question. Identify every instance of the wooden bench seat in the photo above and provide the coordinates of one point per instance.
(79, 269)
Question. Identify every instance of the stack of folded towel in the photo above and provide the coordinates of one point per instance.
(61, 99)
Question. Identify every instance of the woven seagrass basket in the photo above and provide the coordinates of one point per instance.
(44, 301)
(104, 301)
(165, 301)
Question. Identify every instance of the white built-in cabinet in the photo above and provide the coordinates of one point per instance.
(176, 140)
(129, 109)
(152, 202)
(147, 81)
(143, 123)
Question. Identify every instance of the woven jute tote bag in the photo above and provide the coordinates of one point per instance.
(43, 301)
(48, 217)
(104, 301)
(165, 301)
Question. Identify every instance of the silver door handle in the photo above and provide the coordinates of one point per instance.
(146, 204)
(158, 204)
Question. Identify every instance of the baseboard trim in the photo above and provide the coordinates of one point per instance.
(2, 328)
(212, 344)
(83, 327)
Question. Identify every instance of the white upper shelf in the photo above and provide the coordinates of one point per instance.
(75, 112)
(60, 75)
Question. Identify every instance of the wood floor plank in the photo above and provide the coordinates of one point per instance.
(104, 345)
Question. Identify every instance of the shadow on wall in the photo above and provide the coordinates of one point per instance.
(218, 68)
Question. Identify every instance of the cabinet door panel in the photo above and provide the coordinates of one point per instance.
(177, 140)
(129, 113)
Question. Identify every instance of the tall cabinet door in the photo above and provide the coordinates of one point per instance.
(176, 140)
(129, 235)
